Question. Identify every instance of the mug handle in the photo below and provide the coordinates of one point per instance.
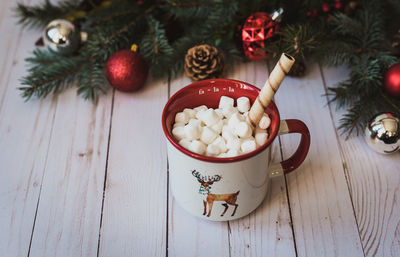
(287, 166)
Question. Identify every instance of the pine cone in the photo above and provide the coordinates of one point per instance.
(298, 69)
(351, 8)
(203, 62)
(395, 51)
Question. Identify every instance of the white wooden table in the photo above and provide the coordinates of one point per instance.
(83, 179)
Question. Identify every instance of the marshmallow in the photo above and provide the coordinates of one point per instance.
(260, 130)
(185, 143)
(232, 153)
(225, 102)
(197, 147)
(192, 131)
(234, 120)
(243, 104)
(222, 155)
(227, 133)
(217, 127)
(226, 128)
(261, 138)
(190, 112)
(248, 145)
(179, 133)
(182, 117)
(200, 108)
(229, 111)
(264, 122)
(220, 113)
(223, 132)
(212, 150)
(220, 142)
(178, 124)
(194, 122)
(233, 143)
(208, 135)
(243, 130)
(210, 117)
(199, 114)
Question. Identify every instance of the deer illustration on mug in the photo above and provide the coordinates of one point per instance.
(209, 198)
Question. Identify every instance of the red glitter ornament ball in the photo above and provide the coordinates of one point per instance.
(338, 5)
(257, 29)
(126, 70)
(326, 7)
(391, 81)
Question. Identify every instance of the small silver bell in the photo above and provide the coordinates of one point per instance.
(383, 133)
(62, 36)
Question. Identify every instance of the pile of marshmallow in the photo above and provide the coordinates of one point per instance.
(222, 132)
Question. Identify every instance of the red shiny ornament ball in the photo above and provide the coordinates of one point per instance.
(126, 70)
(314, 13)
(325, 7)
(391, 81)
(257, 29)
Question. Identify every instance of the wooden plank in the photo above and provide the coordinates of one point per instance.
(374, 181)
(188, 235)
(68, 215)
(267, 231)
(10, 43)
(323, 218)
(25, 130)
(134, 214)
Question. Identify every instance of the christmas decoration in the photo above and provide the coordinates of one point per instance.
(326, 7)
(126, 70)
(338, 5)
(392, 81)
(298, 69)
(203, 62)
(61, 36)
(350, 8)
(395, 51)
(355, 34)
(382, 133)
(257, 29)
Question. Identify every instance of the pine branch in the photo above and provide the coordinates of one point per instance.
(155, 47)
(193, 10)
(49, 72)
(125, 28)
(297, 40)
(41, 15)
(91, 80)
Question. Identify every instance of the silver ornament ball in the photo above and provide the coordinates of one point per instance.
(383, 133)
(62, 36)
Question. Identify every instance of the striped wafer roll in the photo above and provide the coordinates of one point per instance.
(269, 89)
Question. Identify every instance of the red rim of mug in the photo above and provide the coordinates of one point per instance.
(199, 84)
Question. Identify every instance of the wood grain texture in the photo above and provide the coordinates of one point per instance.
(68, 216)
(188, 235)
(267, 231)
(323, 218)
(25, 130)
(374, 181)
(134, 214)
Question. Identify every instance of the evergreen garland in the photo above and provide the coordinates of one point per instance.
(165, 30)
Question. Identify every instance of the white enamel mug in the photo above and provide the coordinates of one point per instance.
(222, 189)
